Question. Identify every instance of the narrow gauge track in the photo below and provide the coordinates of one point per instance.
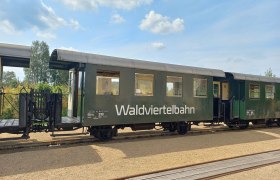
(215, 169)
(62, 139)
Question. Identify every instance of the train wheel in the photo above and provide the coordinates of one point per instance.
(244, 125)
(230, 126)
(182, 128)
(189, 126)
(102, 132)
(172, 127)
(255, 123)
(106, 135)
(278, 122)
(115, 131)
(268, 123)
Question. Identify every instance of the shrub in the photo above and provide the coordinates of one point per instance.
(8, 113)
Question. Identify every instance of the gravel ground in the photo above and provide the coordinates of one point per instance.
(117, 159)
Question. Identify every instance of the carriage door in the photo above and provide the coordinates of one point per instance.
(226, 106)
(225, 91)
(73, 93)
(216, 99)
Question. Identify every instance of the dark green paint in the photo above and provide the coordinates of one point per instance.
(262, 108)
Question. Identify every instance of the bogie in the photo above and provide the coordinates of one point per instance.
(237, 123)
(102, 132)
(278, 122)
(182, 128)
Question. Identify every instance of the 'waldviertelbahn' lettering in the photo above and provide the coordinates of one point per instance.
(152, 110)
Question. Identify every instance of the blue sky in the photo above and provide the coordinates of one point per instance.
(238, 36)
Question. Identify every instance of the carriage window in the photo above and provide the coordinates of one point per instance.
(254, 91)
(144, 84)
(174, 86)
(269, 92)
(200, 87)
(216, 89)
(107, 83)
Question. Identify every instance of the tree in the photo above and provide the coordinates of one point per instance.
(59, 77)
(39, 63)
(9, 79)
(269, 73)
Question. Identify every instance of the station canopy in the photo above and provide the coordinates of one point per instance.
(65, 59)
(249, 77)
(15, 55)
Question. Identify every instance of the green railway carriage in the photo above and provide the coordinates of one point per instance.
(123, 92)
(255, 99)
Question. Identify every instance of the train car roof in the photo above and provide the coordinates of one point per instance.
(249, 77)
(15, 55)
(65, 59)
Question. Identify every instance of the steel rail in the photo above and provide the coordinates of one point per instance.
(62, 141)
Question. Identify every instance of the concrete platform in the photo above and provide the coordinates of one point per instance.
(15, 122)
(9, 122)
(216, 168)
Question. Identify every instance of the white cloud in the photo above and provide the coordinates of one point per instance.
(41, 19)
(95, 4)
(50, 18)
(80, 4)
(158, 24)
(68, 48)
(7, 27)
(45, 35)
(75, 24)
(53, 21)
(158, 45)
(117, 19)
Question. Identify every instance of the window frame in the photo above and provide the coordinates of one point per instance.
(273, 91)
(254, 84)
(177, 96)
(153, 84)
(219, 89)
(194, 92)
(107, 71)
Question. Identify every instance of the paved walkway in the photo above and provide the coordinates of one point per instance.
(216, 168)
